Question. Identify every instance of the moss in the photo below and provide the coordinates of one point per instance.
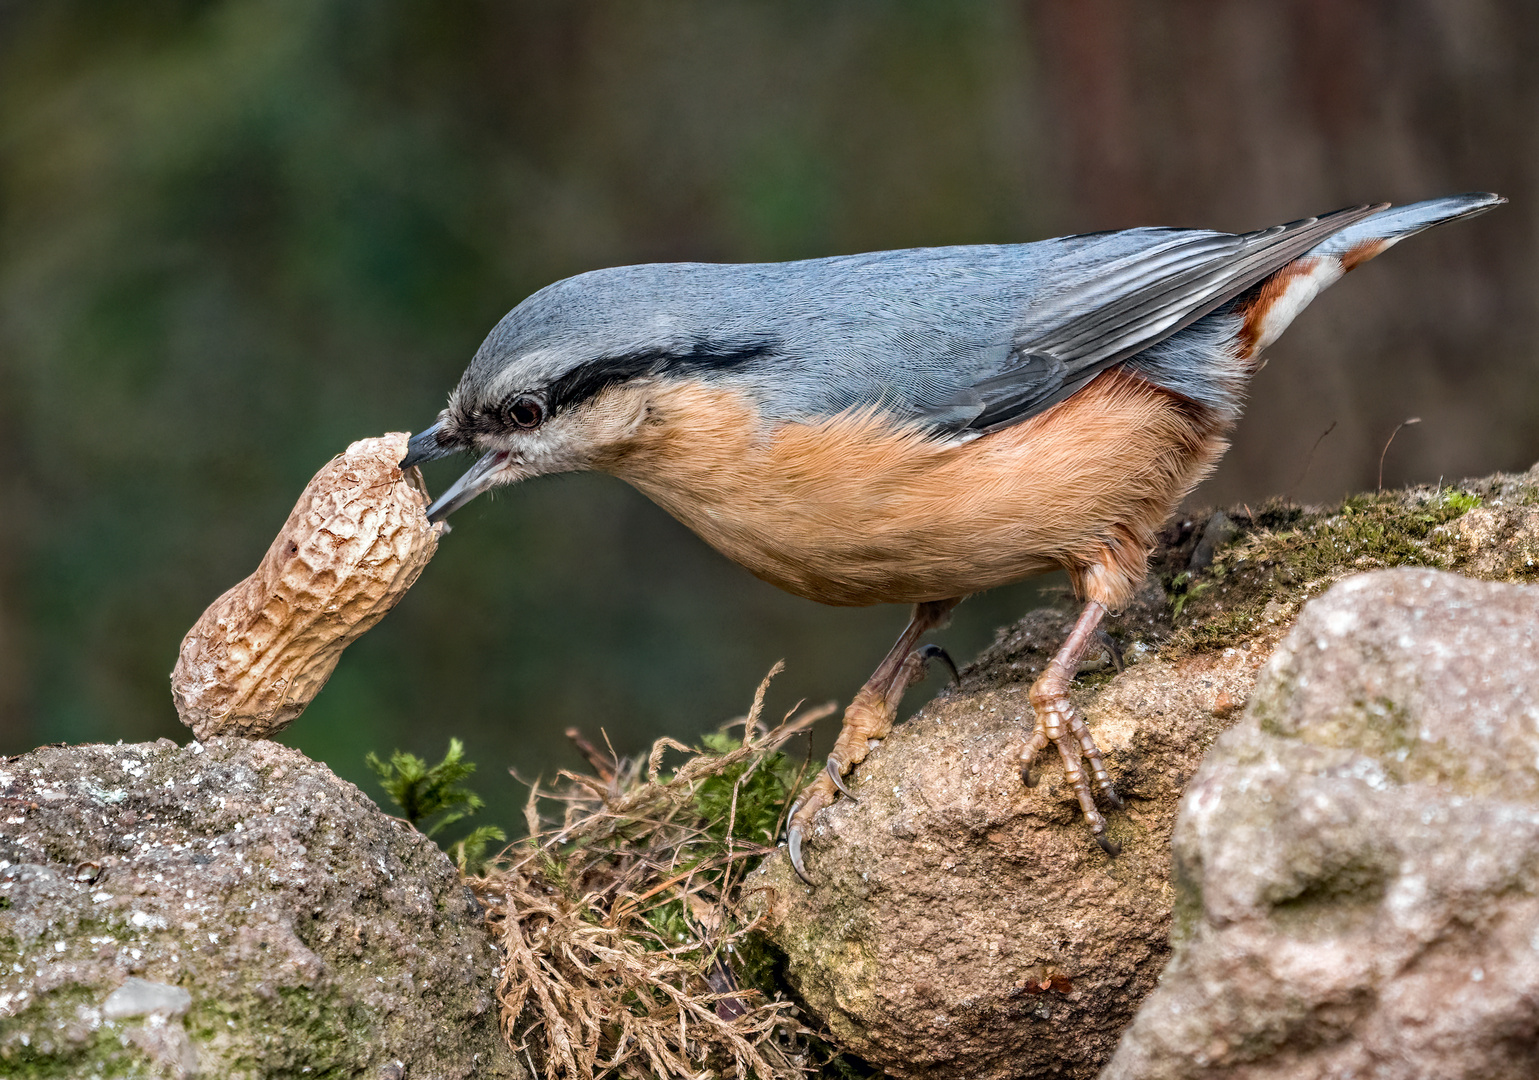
(763, 790)
(105, 1056)
(45, 1057)
(433, 798)
(324, 1027)
(747, 799)
(1186, 911)
(1284, 553)
(633, 901)
(1461, 501)
(318, 1033)
(1183, 589)
(1336, 896)
(208, 1020)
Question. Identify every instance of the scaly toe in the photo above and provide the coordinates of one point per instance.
(814, 798)
(1034, 746)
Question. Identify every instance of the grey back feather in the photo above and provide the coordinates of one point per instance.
(955, 340)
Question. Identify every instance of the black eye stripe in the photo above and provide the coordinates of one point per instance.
(588, 380)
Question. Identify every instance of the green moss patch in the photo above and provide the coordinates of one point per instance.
(1282, 554)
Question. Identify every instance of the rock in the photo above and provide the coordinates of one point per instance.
(1357, 862)
(229, 909)
(1218, 532)
(963, 925)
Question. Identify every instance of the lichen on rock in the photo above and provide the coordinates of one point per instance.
(1358, 860)
(1282, 555)
(229, 909)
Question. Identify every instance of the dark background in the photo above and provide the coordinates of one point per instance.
(236, 235)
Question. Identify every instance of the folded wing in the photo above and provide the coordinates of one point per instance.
(1124, 292)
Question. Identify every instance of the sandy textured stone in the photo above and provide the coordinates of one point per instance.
(1357, 862)
(230, 909)
(350, 549)
(964, 925)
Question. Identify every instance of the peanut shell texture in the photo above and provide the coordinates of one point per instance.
(354, 543)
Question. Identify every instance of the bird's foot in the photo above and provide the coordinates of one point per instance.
(1060, 724)
(867, 722)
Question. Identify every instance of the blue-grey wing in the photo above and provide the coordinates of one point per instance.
(1123, 293)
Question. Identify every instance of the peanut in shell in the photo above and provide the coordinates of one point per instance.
(353, 545)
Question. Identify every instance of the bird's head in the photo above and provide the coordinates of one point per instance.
(567, 380)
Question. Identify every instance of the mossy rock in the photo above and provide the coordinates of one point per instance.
(229, 909)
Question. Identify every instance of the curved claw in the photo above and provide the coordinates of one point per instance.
(1028, 777)
(1113, 650)
(832, 770)
(794, 846)
(935, 652)
(1111, 847)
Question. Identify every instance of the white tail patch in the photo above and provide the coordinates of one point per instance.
(1286, 293)
(1282, 297)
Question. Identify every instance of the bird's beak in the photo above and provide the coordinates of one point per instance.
(477, 478)
(424, 446)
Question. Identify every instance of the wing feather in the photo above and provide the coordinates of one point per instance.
(1133, 302)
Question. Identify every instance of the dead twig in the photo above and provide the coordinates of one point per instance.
(619, 921)
(1407, 422)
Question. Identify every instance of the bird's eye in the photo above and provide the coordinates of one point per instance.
(525, 411)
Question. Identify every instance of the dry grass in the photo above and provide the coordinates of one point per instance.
(622, 924)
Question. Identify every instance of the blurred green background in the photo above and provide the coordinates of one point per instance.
(236, 235)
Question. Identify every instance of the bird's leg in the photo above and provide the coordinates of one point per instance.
(1058, 723)
(868, 720)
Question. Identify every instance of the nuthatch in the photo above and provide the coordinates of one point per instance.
(913, 426)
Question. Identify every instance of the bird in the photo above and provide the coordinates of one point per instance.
(913, 426)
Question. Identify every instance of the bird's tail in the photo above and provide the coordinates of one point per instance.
(1360, 242)
(1267, 310)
